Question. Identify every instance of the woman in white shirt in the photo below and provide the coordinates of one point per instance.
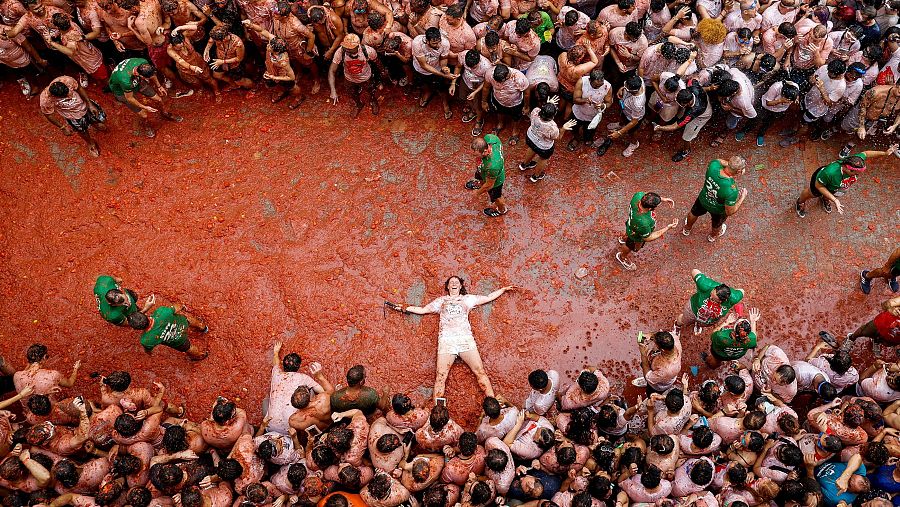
(455, 333)
(541, 138)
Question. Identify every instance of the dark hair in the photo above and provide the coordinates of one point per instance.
(218, 33)
(790, 455)
(12, 469)
(118, 381)
(754, 420)
(853, 416)
(401, 404)
(596, 75)
(788, 30)
(387, 443)
(472, 58)
(632, 29)
(548, 111)
(702, 471)
(538, 379)
(468, 443)
(634, 83)
(230, 468)
(291, 362)
(734, 384)
(350, 476)
(523, 26)
(39, 404)
(702, 437)
(786, 371)
(662, 444)
(827, 391)
(736, 473)
(588, 381)
(166, 475)
(684, 96)
(125, 464)
(337, 500)
(138, 320)
(664, 339)
(755, 441)
(607, 417)
(667, 50)
(566, 455)
(709, 393)
(496, 460)
(175, 439)
(127, 425)
(59, 89)
(256, 493)
(300, 398)
(580, 425)
(356, 375)
(789, 90)
(727, 89)
(877, 453)
(840, 362)
(341, 439)
(836, 67)
(266, 450)
(223, 411)
(545, 438)
(788, 423)
(296, 474)
(832, 444)
(791, 491)
(66, 473)
(542, 90)
(146, 70)
(491, 407)
(481, 493)
(674, 400)
(433, 33)
(501, 73)
(599, 487)
(671, 84)
(436, 494)
(650, 200)
(651, 477)
(491, 38)
(323, 456)
(110, 492)
(61, 21)
(723, 292)
(439, 417)
(380, 486)
(36, 353)
(632, 455)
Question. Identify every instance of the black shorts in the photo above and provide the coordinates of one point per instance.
(495, 193)
(812, 183)
(515, 112)
(289, 85)
(566, 95)
(698, 211)
(633, 244)
(146, 89)
(429, 80)
(184, 347)
(82, 124)
(544, 154)
(895, 271)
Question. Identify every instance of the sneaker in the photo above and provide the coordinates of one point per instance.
(25, 85)
(681, 155)
(828, 339)
(739, 136)
(639, 382)
(827, 134)
(529, 165)
(534, 178)
(826, 205)
(845, 151)
(83, 80)
(712, 238)
(621, 241)
(601, 150)
(892, 283)
(799, 209)
(760, 141)
(613, 126)
(864, 283)
(684, 229)
(473, 184)
(629, 151)
(184, 93)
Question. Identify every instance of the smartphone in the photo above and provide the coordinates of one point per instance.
(640, 338)
(407, 437)
(314, 430)
(441, 401)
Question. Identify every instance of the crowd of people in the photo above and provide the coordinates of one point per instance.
(764, 429)
(735, 67)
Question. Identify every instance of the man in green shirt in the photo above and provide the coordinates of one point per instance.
(138, 76)
(115, 303)
(732, 339)
(640, 226)
(834, 179)
(719, 197)
(169, 326)
(491, 173)
(711, 302)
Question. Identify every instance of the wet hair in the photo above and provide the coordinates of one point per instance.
(12, 469)
(296, 474)
(545, 438)
(853, 416)
(633, 30)
(650, 200)
(496, 460)
(789, 90)
(734, 384)
(432, 34)
(472, 58)
(727, 88)
(876, 452)
(337, 500)
(401, 404)
(420, 470)
(146, 70)
(266, 450)
(456, 10)
(538, 379)
(662, 444)
(827, 391)
(548, 111)
(840, 362)
(523, 26)
(607, 417)
(576, 54)
(684, 96)
(667, 50)
(832, 444)
(218, 33)
(755, 441)
(491, 39)
(138, 320)
(754, 420)
(542, 90)
(604, 456)
(118, 381)
(39, 404)
(571, 18)
(481, 493)
(439, 417)
(736, 473)
(709, 393)
(323, 456)
(223, 411)
(127, 425)
(872, 53)
(66, 473)
(634, 83)
(788, 30)
(791, 491)
(41, 496)
(671, 84)
(632, 455)
(599, 487)
(61, 21)
(110, 492)
(674, 400)
(376, 20)
(125, 464)
(788, 423)
(380, 486)
(702, 437)
(651, 477)
(191, 496)
(787, 373)
(36, 353)
(566, 455)
(230, 468)
(491, 407)
(341, 439)
(387, 443)
(256, 493)
(350, 476)
(596, 75)
(301, 396)
(664, 340)
(59, 89)
(468, 443)
(501, 73)
(588, 381)
(836, 67)
(316, 15)
(872, 411)
(356, 375)
(166, 475)
(790, 455)
(580, 426)
(291, 362)
(175, 439)
(702, 471)
(436, 494)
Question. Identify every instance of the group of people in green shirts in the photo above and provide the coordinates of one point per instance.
(166, 325)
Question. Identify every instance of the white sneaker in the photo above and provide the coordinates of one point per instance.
(629, 151)
(168, 84)
(26, 86)
(639, 382)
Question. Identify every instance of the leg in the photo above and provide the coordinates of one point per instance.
(866, 330)
(195, 353)
(473, 359)
(193, 321)
(805, 196)
(882, 272)
(444, 362)
(500, 204)
(92, 143)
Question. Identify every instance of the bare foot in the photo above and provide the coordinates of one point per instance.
(315, 88)
(95, 151)
(218, 98)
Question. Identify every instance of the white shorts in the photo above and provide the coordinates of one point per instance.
(456, 345)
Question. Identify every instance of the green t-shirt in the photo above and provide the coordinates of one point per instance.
(724, 346)
(718, 190)
(832, 178)
(545, 29)
(707, 310)
(112, 314)
(168, 328)
(639, 225)
(120, 79)
(364, 398)
(493, 167)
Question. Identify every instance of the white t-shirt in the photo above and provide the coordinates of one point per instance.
(806, 374)
(586, 112)
(744, 99)
(454, 315)
(474, 76)
(543, 70)
(773, 94)
(565, 35)
(633, 106)
(542, 133)
(539, 403)
(834, 88)
(432, 56)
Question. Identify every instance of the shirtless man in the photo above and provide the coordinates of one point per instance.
(385, 449)
(329, 29)
(300, 40)
(150, 25)
(225, 425)
(227, 66)
(19, 472)
(313, 409)
(191, 67)
(60, 439)
(183, 12)
(404, 416)
(879, 110)
(42, 381)
(661, 364)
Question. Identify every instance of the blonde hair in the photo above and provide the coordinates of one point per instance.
(712, 31)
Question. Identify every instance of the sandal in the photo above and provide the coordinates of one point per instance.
(573, 145)
(423, 102)
(627, 264)
(478, 128)
(717, 142)
(493, 212)
(496, 131)
(448, 114)
(513, 140)
(468, 116)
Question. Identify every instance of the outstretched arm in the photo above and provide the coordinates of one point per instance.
(482, 300)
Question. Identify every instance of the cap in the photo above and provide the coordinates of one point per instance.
(351, 41)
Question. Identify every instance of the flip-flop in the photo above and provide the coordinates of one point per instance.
(573, 145)
(630, 266)
(829, 339)
(717, 142)
(423, 102)
(493, 213)
(468, 116)
(478, 129)
(513, 140)
(448, 115)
